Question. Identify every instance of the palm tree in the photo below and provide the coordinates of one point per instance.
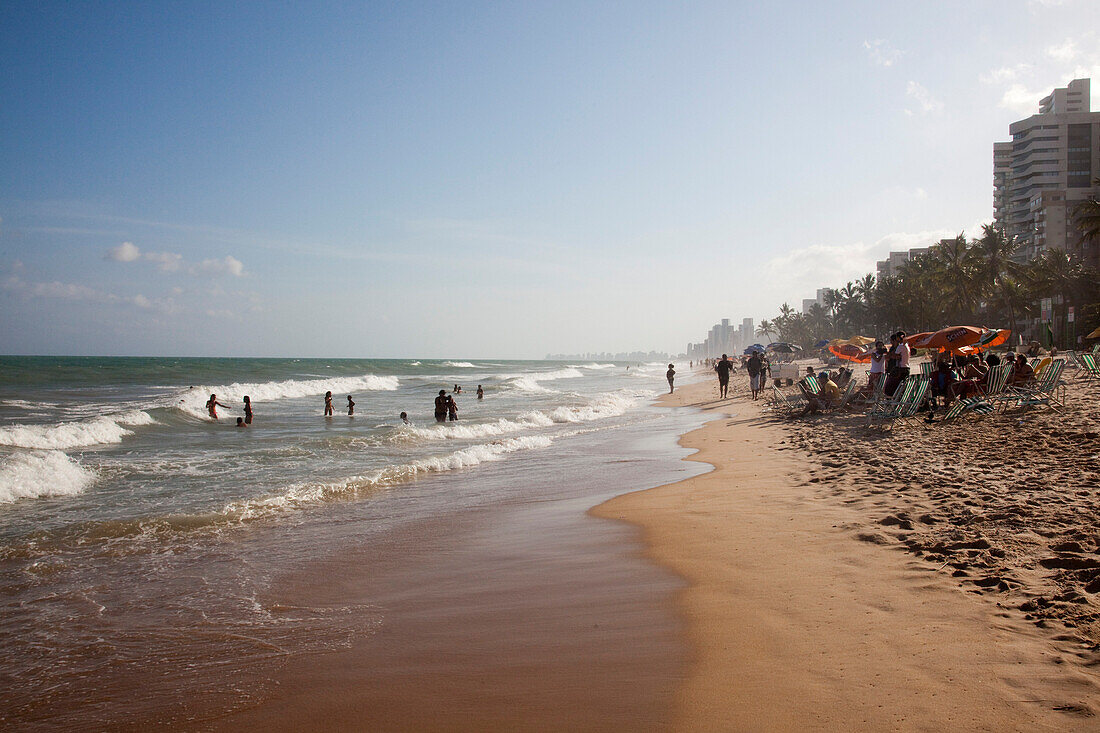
(1087, 216)
(954, 267)
(765, 329)
(995, 267)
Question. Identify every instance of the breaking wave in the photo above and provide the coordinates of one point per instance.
(61, 436)
(41, 473)
(193, 401)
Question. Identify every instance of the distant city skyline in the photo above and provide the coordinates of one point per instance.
(476, 180)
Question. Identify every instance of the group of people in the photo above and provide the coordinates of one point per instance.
(445, 406)
(756, 365)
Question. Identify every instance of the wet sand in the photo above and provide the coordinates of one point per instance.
(797, 622)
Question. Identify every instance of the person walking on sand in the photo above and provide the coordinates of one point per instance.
(723, 367)
(328, 404)
(247, 410)
(441, 406)
(670, 375)
(212, 406)
(452, 409)
(754, 367)
(351, 407)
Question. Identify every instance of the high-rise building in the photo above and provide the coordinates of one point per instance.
(1045, 171)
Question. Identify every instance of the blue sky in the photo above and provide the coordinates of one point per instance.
(487, 179)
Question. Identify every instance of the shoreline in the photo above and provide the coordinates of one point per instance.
(796, 621)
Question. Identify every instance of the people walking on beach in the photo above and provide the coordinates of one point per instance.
(670, 375)
(247, 410)
(328, 404)
(351, 407)
(723, 367)
(212, 406)
(898, 363)
(754, 366)
(480, 392)
(441, 406)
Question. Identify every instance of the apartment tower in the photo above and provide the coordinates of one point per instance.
(1048, 167)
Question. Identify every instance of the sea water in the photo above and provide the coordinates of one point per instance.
(133, 526)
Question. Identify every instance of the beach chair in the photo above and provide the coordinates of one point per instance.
(849, 391)
(926, 368)
(977, 404)
(1044, 391)
(785, 404)
(888, 407)
(995, 381)
(1089, 365)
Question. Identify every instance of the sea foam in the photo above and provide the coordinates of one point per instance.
(193, 401)
(41, 473)
(315, 493)
(61, 436)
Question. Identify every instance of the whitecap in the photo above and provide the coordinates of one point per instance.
(60, 436)
(193, 401)
(42, 473)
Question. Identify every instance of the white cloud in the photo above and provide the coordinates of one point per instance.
(1065, 51)
(800, 272)
(881, 52)
(1005, 74)
(57, 290)
(923, 97)
(166, 261)
(1019, 98)
(229, 265)
(125, 252)
(173, 262)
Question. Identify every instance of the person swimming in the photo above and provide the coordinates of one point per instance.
(241, 423)
(405, 418)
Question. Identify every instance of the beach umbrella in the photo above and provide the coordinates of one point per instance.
(821, 344)
(951, 338)
(990, 338)
(755, 349)
(783, 347)
(850, 352)
(860, 341)
(1094, 335)
(917, 337)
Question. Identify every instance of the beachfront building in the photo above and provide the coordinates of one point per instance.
(893, 262)
(724, 338)
(1048, 167)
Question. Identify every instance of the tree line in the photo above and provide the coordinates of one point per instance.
(977, 282)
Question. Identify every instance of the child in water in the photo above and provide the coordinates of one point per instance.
(405, 418)
(480, 392)
(351, 407)
(328, 404)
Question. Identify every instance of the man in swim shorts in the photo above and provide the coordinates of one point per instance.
(723, 367)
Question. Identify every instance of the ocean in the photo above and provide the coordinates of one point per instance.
(140, 539)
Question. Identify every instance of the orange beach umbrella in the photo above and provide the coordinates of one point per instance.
(850, 352)
(990, 338)
(950, 338)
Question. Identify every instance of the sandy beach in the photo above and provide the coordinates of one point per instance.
(843, 579)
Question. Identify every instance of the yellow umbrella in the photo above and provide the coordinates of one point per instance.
(860, 341)
(1094, 335)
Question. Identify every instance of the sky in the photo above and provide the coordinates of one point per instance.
(487, 179)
